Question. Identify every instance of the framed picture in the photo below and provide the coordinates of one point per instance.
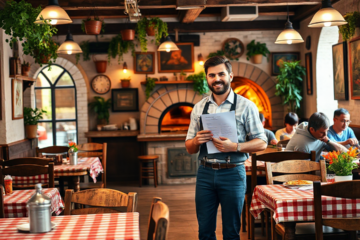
(277, 58)
(125, 100)
(177, 61)
(354, 50)
(309, 77)
(340, 66)
(17, 99)
(144, 63)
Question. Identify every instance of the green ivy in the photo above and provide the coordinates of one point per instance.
(118, 47)
(32, 116)
(200, 83)
(289, 84)
(140, 31)
(85, 47)
(149, 86)
(101, 108)
(348, 30)
(258, 48)
(160, 27)
(214, 54)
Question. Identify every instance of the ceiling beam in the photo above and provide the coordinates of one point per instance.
(194, 27)
(189, 16)
(306, 11)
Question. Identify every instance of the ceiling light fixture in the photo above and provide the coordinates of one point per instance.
(69, 46)
(54, 14)
(327, 16)
(168, 45)
(289, 35)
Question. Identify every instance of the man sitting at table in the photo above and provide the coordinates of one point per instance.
(340, 131)
(291, 122)
(311, 136)
(269, 134)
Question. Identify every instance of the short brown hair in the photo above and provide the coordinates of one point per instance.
(217, 60)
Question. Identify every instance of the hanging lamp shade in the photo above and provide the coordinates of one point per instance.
(289, 35)
(69, 46)
(54, 14)
(327, 16)
(168, 45)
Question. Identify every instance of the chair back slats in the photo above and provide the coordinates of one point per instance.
(90, 147)
(100, 198)
(347, 189)
(25, 170)
(52, 149)
(84, 211)
(286, 178)
(301, 166)
(158, 220)
(34, 160)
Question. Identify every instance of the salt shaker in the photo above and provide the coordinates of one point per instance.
(39, 211)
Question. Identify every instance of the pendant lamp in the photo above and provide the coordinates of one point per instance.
(54, 14)
(69, 46)
(327, 16)
(289, 35)
(168, 45)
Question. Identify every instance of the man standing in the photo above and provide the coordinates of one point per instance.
(340, 131)
(221, 177)
(311, 136)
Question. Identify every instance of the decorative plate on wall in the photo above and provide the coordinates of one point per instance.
(101, 84)
(233, 48)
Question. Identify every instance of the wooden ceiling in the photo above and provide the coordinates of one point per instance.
(114, 9)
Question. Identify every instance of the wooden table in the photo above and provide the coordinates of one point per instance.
(91, 226)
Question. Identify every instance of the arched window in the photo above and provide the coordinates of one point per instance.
(55, 92)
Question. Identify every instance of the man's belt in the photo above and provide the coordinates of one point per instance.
(219, 165)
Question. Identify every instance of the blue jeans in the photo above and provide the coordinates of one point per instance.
(224, 186)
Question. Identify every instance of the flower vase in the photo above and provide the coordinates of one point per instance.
(343, 178)
(73, 156)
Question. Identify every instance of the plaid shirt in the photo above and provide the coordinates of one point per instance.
(246, 114)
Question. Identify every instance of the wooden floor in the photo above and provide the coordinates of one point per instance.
(181, 202)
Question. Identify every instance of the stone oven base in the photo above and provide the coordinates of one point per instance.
(160, 148)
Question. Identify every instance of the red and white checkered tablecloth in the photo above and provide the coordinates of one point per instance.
(291, 205)
(15, 204)
(91, 164)
(247, 165)
(123, 226)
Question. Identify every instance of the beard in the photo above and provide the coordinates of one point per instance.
(219, 87)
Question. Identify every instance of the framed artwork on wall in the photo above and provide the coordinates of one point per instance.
(340, 66)
(354, 46)
(17, 100)
(177, 61)
(144, 63)
(309, 77)
(277, 58)
(125, 100)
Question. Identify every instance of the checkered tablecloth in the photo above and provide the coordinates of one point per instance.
(291, 205)
(123, 226)
(91, 164)
(15, 204)
(247, 165)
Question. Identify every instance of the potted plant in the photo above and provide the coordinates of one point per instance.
(125, 82)
(342, 164)
(100, 65)
(31, 118)
(200, 83)
(348, 30)
(127, 34)
(93, 26)
(37, 38)
(101, 108)
(151, 27)
(25, 68)
(182, 75)
(118, 47)
(149, 86)
(256, 51)
(289, 84)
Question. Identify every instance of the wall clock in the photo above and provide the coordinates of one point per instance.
(101, 84)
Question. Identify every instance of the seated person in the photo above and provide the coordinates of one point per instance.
(340, 131)
(291, 122)
(269, 134)
(311, 136)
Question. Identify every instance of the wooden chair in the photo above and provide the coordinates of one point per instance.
(268, 157)
(348, 189)
(27, 167)
(100, 200)
(2, 214)
(151, 170)
(158, 220)
(94, 150)
(51, 150)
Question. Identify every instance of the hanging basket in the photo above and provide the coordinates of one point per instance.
(93, 27)
(150, 30)
(100, 65)
(128, 34)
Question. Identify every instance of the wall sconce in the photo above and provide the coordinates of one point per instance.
(201, 59)
(125, 67)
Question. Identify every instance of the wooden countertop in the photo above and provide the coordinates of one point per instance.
(162, 137)
(103, 134)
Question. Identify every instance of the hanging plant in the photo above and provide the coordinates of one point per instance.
(93, 26)
(200, 83)
(86, 52)
(141, 33)
(149, 27)
(348, 30)
(17, 19)
(118, 47)
(161, 29)
(149, 86)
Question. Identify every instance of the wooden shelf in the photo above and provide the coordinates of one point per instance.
(169, 82)
(106, 134)
(24, 78)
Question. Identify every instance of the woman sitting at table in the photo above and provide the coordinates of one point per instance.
(291, 123)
